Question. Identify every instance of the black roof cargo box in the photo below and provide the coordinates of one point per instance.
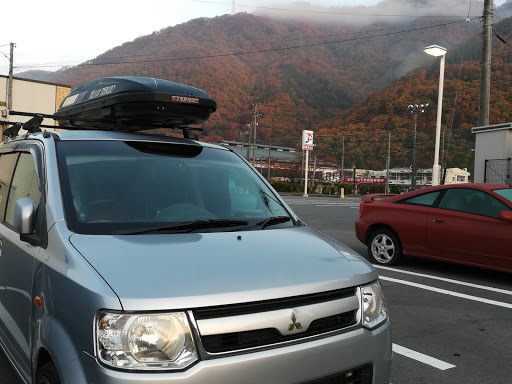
(134, 103)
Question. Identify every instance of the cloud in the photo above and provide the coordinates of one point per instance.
(384, 12)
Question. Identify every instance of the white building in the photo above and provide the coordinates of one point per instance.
(456, 176)
(402, 177)
(493, 153)
(29, 96)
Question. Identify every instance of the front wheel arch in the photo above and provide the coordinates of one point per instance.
(47, 373)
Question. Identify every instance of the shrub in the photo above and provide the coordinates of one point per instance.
(395, 189)
(285, 186)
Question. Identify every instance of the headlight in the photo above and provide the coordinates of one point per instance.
(145, 341)
(374, 307)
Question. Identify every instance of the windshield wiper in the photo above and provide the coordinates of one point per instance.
(274, 220)
(184, 227)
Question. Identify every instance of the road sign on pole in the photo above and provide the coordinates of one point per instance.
(307, 145)
(307, 140)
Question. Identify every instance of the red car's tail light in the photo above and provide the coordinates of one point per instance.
(361, 207)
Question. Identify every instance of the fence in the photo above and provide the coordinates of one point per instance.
(498, 171)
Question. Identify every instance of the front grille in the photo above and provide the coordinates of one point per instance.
(271, 305)
(359, 375)
(249, 339)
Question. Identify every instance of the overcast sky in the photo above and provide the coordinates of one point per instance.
(56, 32)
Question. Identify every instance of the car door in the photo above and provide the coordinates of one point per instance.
(466, 227)
(16, 260)
(409, 219)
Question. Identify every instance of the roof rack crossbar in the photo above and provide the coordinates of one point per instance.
(19, 113)
(4, 122)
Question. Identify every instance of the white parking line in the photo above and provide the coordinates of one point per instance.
(447, 292)
(492, 289)
(436, 363)
(336, 205)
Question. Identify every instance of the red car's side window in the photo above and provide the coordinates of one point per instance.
(472, 201)
(425, 199)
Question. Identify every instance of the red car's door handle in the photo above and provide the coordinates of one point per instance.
(438, 221)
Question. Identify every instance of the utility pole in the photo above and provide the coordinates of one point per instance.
(314, 172)
(248, 157)
(9, 89)
(303, 160)
(388, 162)
(415, 109)
(256, 115)
(342, 176)
(485, 70)
(269, 148)
(413, 178)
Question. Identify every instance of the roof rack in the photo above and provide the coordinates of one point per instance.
(34, 125)
(31, 126)
(134, 104)
(126, 104)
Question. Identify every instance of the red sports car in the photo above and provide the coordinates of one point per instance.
(462, 223)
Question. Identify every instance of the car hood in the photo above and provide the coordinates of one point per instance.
(177, 271)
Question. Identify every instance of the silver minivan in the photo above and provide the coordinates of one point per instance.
(133, 258)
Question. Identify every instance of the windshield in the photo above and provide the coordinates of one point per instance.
(122, 187)
(506, 193)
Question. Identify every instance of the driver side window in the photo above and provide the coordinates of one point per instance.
(472, 201)
(24, 184)
(7, 163)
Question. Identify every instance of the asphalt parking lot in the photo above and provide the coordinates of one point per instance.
(451, 324)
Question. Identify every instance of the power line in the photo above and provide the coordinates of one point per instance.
(252, 42)
(322, 36)
(262, 50)
(324, 12)
(443, 159)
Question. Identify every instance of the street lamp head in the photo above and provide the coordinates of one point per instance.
(435, 50)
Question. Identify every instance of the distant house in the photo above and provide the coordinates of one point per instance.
(284, 158)
(402, 177)
(493, 153)
(263, 151)
(29, 96)
(456, 176)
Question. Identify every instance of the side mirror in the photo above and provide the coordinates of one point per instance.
(506, 216)
(25, 216)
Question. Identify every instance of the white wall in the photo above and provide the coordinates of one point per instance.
(495, 144)
(29, 96)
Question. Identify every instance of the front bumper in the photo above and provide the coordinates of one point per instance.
(299, 363)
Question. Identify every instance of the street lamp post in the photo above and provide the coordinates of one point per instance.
(436, 50)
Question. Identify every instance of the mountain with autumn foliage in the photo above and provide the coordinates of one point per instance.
(347, 83)
(387, 111)
(302, 71)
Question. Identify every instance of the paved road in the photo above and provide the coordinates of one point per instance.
(451, 324)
